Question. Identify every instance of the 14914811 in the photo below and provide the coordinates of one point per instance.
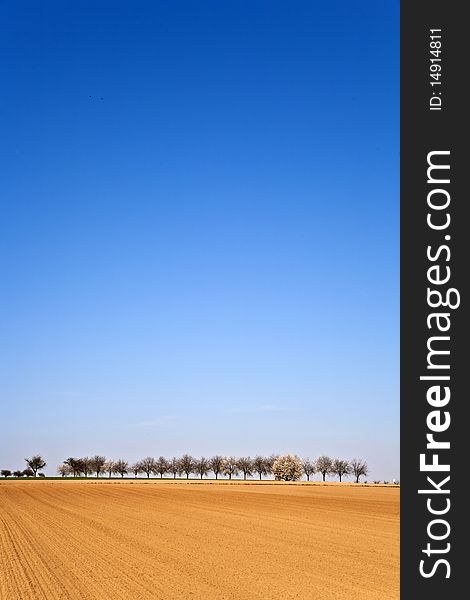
(435, 69)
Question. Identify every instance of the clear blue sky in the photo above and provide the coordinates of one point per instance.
(203, 255)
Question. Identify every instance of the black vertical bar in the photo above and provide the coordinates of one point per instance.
(433, 119)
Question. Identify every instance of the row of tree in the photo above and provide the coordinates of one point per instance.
(33, 465)
(24, 473)
(187, 465)
(288, 467)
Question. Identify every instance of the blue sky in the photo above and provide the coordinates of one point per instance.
(200, 229)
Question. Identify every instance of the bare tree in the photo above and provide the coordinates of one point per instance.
(342, 468)
(288, 467)
(161, 466)
(359, 467)
(270, 462)
(186, 463)
(148, 465)
(136, 468)
(86, 465)
(260, 466)
(35, 463)
(75, 465)
(245, 464)
(121, 466)
(216, 464)
(5, 473)
(97, 463)
(230, 466)
(201, 466)
(109, 467)
(323, 465)
(308, 467)
(174, 467)
(64, 470)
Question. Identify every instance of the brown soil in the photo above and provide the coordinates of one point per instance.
(137, 540)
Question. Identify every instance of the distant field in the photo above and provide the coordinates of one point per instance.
(142, 540)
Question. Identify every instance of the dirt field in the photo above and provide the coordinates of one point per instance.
(137, 540)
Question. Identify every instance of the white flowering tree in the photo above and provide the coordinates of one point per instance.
(287, 467)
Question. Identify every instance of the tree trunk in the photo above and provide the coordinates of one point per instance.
(216, 475)
(324, 475)
(187, 475)
(340, 478)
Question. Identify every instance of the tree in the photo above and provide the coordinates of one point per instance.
(216, 464)
(41, 474)
(136, 468)
(64, 470)
(341, 468)
(186, 463)
(201, 466)
(17, 473)
(270, 462)
(161, 466)
(259, 466)
(323, 465)
(288, 467)
(97, 464)
(121, 466)
(5, 473)
(174, 467)
(230, 467)
(308, 467)
(245, 464)
(28, 473)
(109, 467)
(359, 467)
(75, 465)
(148, 465)
(35, 463)
(85, 465)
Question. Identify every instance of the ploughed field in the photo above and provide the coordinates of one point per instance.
(139, 540)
